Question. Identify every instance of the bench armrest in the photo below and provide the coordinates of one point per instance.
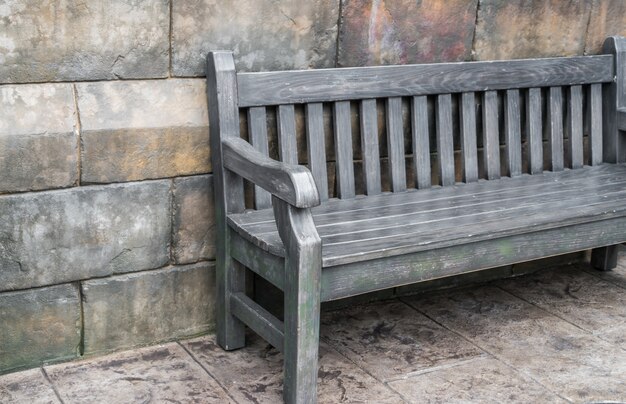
(292, 183)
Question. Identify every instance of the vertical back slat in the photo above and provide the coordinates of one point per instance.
(395, 144)
(369, 146)
(445, 147)
(574, 125)
(555, 123)
(257, 131)
(533, 127)
(513, 130)
(595, 117)
(287, 134)
(316, 147)
(421, 143)
(343, 149)
(468, 137)
(491, 140)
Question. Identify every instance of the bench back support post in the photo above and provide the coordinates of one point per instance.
(614, 99)
(228, 192)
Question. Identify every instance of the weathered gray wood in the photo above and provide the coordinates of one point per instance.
(534, 129)
(362, 277)
(555, 122)
(343, 150)
(287, 147)
(257, 130)
(574, 126)
(303, 273)
(264, 264)
(513, 131)
(604, 258)
(421, 143)
(259, 319)
(596, 125)
(228, 193)
(468, 137)
(491, 138)
(316, 147)
(614, 98)
(369, 146)
(323, 85)
(395, 144)
(430, 218)
(445, 147)
(621, 119)
(291, 183)
(525, 184)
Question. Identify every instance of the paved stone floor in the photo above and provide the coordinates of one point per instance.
(558, 335)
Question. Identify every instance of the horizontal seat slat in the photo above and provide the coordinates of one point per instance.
(335, 206)
(326, 85)
(399, 217)
(392, 224)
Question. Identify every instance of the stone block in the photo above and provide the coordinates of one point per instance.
(38, 143)
(379, 32)
(48, 40)
(39, 325)
(608, 18)
(264, 34)
(517, 29)
(193, 219)
(148, 307)
(61, 236)
(133, 130)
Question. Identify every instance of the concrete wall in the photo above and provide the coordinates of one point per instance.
(106, 217)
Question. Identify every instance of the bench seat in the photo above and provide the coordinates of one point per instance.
(390, 224)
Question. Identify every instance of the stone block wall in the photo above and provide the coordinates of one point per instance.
(106, 218)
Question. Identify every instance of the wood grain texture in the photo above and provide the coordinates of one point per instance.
(287, 147)
(491, 137)
(614, 98)
(469, 151)
(343, 149)
(323, 85)
(596, 134)
(534, 123)
(303, 273)
(421, 142)
(258, 260)
(369, 146)
(291, 183)
(445, 146)
(259, 319)
(316, 147)
(604, 258)
(621, 119)
(257, 131)
(373, 227)
(395, 144)
(513, 133)
(574, 127)
(228, 193)
(555, 128)
(353, 279)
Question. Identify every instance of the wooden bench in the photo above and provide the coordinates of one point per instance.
(540, 172)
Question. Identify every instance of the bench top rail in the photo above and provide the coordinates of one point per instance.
(324, 85)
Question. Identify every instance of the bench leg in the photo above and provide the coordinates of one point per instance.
(604, 258)
(303, 271)
(230, 278)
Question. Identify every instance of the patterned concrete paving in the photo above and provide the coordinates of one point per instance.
(558, 335)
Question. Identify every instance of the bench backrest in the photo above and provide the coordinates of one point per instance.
(506, 118)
